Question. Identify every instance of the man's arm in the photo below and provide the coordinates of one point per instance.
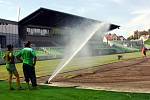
(35, 58)
(18, 56)
(20, 59)
(4, 57)
(34, 61)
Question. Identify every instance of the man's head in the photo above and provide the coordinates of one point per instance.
(10, 47)
(27, 44)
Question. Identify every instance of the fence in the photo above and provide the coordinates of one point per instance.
(43, 53)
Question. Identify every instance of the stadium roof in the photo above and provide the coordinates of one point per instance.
(51, 18)
(6, 22)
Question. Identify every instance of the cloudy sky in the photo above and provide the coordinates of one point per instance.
(129, 14)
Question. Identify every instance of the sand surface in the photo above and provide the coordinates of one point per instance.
(128, 76)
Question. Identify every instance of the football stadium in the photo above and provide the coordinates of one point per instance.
(73, 61)
(49, 31)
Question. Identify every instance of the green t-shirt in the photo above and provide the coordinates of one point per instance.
(28, 55)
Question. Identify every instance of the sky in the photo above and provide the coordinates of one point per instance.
(131, 15)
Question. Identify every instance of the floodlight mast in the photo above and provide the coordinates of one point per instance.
(18, 17)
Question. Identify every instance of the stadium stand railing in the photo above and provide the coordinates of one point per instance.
(43, 53)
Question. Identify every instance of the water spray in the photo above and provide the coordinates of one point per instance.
(100, 26)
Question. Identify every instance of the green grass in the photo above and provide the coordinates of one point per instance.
(47, 67)
(60, 93)
(147, 42)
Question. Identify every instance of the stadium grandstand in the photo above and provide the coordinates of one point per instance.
(8, 33)
(46, 29)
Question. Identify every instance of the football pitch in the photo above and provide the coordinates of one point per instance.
(46, 67)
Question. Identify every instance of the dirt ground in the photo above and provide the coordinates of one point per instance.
(128, 76)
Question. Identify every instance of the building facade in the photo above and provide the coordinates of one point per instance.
(8, 33)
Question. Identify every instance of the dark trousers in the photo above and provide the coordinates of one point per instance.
(29, 74)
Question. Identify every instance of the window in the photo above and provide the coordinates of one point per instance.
(38, 31)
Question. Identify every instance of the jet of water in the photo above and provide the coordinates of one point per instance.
(103, 27)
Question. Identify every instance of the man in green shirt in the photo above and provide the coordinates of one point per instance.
(10, 66)
(28, 57)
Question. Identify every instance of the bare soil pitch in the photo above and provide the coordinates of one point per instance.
(131, 76)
